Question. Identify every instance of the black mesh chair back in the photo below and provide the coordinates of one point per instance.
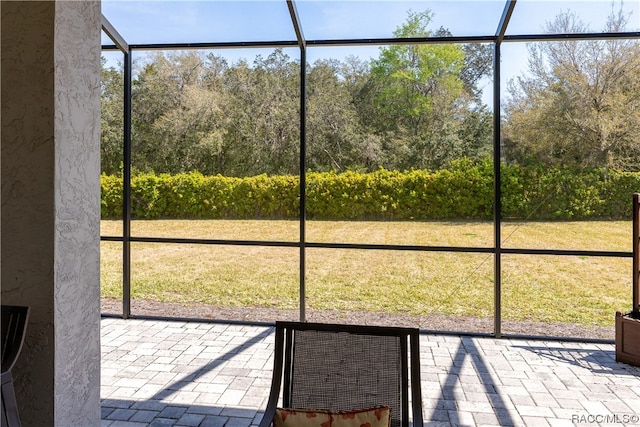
(14, 325)
(347, 367)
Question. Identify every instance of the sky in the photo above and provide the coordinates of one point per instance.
(180, 21)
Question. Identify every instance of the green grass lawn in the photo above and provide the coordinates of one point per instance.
(583, 290)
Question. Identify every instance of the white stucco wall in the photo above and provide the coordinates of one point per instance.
(77, 212)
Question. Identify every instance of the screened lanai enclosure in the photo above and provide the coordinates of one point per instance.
(459, 166)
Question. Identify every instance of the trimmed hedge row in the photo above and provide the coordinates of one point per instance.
(463, 191)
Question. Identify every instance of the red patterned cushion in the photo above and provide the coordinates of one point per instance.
(379, 416)
(301, 418)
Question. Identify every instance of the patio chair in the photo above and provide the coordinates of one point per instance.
(14, 324)
(345, 368)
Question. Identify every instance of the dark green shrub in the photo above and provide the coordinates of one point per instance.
(464, 190)
(111, 196)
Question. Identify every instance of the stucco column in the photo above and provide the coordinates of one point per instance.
(50, 212)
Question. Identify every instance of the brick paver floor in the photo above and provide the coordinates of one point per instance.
(169, 373)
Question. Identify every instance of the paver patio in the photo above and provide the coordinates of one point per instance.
(161, 373)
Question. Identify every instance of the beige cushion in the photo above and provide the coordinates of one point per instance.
(379, 416)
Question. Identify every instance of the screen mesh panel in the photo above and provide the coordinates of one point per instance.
(344, 371)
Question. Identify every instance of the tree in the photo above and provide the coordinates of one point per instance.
(478, 64)
(193, 131)
(178, 121)
(413, 107)
(419, 96)
(264, 130)
(112, 126)
(580, 102)
(335, 138)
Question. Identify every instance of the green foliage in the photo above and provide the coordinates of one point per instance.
(193, 195)
(464, 190)
(423, 97)
(566, 193)
(580, 102)
(112, 124)
(111, 196)
(416, 106)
